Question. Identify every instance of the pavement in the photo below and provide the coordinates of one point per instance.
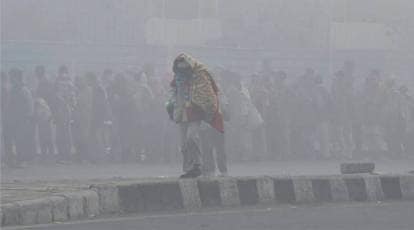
(37, 181)
(366, 216)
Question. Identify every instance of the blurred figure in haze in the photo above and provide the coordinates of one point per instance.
(394, 124)
(369, 114)
(144, 99)
(277, 117)
(100, 115)
(65, 102)
(343, 98)
(304, 116)
(407, 103)
(260, 98)
(245, 119)
(125, 114)
(7, 144)
(323, 106)
(43, 119)
(82, 116)
(44, 85)
(21, 117)
(106, 81)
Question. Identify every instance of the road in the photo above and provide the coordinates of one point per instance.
(351, 216)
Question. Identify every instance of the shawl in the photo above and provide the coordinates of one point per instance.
(204, 103)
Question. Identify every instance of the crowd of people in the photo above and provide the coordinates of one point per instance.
(353, 117)
(90, 118)
(120, 116)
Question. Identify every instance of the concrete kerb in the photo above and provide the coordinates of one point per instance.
(194, 194)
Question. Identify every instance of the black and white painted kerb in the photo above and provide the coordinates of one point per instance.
(195, 194)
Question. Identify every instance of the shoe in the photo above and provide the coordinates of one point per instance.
(193, 173)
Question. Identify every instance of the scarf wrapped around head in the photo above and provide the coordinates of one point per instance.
(204, 93)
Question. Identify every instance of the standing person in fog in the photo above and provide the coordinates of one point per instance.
(21, 117)
(407, 104)
(63, 108)
(194, 99)
(82, 115)
(144, 103)
(44, 85)
(43, 119)
(303, 116)
(394, 124)
(278, 118)
(342, 96)
(125, 114)
(7, 145)
(323, 106)
(99, 116)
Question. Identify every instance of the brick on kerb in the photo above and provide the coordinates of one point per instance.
(90, 203)
(391, 187)
(407, 186)
(374, 188)
(321, 188)
(265, 189)
(248, 191)
(339, 189)
(131, 199)
(356, 188)
(229, 192)
(160, 196)
(59, 208)
(209, 193)
(38, 211)
(190, 194)
(284, 190)
(108, 198)
(303, 189)
(75, 205)
(10, 214)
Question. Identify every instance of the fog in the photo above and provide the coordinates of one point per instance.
(88, 81)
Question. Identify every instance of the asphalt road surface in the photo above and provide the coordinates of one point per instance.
(350, 216)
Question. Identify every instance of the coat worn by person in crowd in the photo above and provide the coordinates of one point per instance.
(201, 100)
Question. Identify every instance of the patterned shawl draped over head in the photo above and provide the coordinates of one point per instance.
(204, 91)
